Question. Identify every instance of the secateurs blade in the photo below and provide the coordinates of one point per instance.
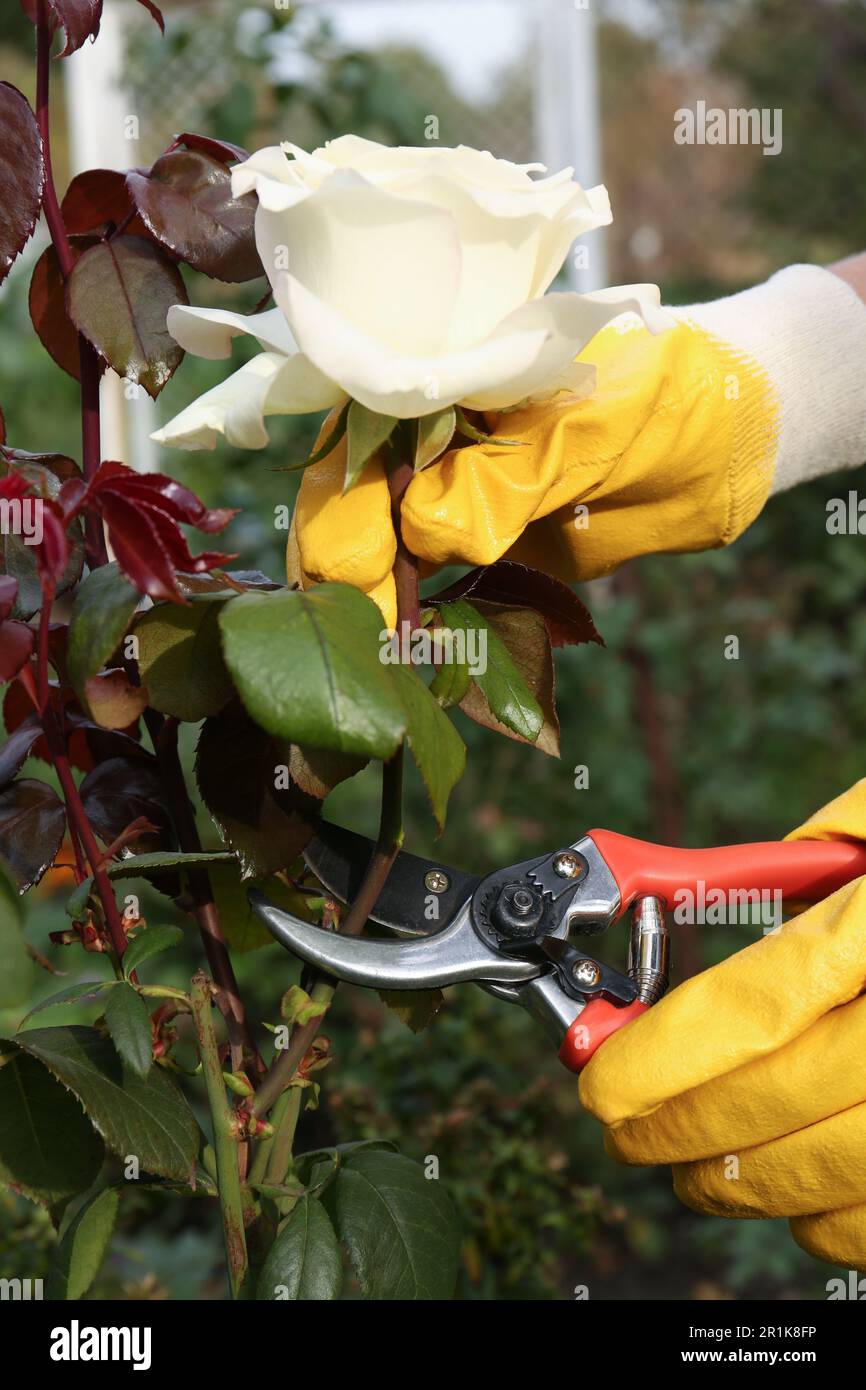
(517, 931)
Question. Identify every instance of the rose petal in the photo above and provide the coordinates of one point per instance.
(209, 332)
(233, 408)
(389, 265)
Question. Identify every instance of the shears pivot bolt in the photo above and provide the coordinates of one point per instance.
(435, 881)
(567, 865)
(586, 972)
(518, 911)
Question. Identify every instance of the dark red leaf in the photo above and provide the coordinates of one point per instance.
(32, 822)
(155, 11)
(59, 464)
(94, 199)
(57, 332)
(118, 296)
(568, 620)
(16, 645)
(8, 590)
(79, 18)
(120, 791)
(13, 487)
(18, 747)
(52, 555)
(142, 512)
(164, 493)
(186, 201)
(223, 150)
(22, 174)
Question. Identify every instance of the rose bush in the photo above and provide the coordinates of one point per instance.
(406, 279)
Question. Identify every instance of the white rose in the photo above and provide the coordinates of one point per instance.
(406, 279)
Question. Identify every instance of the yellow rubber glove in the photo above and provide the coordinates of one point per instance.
(658, 454)
(749, 1078)
(678, 448)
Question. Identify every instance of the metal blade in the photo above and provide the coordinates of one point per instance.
(340, 857)
(447, 958)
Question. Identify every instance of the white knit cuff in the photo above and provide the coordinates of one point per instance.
(807, 329)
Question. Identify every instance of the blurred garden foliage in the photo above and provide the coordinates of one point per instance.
(680, 743)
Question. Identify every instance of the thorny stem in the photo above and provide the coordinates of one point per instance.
(204, 908)
(42, 689)
(284, 1068)
(405, 564)
(281, 1149)
(78, 817)
(388, 844)
(224, 1137)
(50, 205)
(88, 358)
(390, 837)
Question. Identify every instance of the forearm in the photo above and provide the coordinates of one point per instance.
(853, 271)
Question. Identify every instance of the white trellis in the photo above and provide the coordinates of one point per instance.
(551, 113)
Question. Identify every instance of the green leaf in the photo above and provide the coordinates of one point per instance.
(438, 749)
(242, 928)
(296, 1006)
(327, 446)
(146, 866)
(180, 658)
(303, 1263)
(400, 1228)
(505, 689)
(435, 433)
(526, 637)
(568, 620)
(83, 993)
(118, 295)
(149, 942)
(48, 1147)
(149, 1119)
(101, 614)
(479, 436)
(129, 1025)
(317, 771)
(308, 670)
(83, 1246)
(242, 773)
(16, 967)
(367, 432)
(415, 1007)
(450, 683)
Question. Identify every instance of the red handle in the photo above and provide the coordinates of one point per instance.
(799, 869)
(592, 1026)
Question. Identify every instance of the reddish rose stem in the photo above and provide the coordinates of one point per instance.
(88, 358)
(204, 908)
(406, 576)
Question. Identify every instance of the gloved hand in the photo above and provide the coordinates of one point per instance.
(749, 1078)
(685, 436)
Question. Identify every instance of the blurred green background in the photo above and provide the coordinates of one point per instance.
(681, 744)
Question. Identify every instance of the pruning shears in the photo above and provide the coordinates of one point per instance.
(519, 932)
